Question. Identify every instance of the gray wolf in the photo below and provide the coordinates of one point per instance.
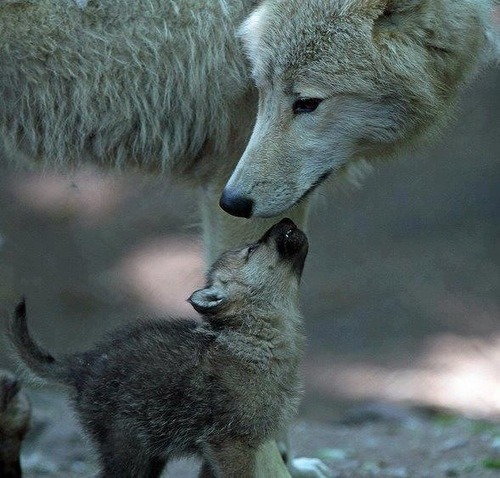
(160, 389)
(15, 419)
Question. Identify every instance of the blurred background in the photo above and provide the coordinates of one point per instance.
(401, 290)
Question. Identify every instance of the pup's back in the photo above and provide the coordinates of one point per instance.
(128, 378)
(146, 380)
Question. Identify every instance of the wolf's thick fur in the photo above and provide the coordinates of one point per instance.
(161, 389)
(134, 84)
(158, 85)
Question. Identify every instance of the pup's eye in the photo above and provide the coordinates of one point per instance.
(306, 105)
(251, 249)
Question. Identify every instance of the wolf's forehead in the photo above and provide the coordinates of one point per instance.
(289, 36)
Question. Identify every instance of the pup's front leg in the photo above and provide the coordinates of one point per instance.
(230, 459)
(265, 465)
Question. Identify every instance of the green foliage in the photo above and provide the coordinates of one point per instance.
(491, 463)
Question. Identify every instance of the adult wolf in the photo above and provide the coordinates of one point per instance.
(163, 86)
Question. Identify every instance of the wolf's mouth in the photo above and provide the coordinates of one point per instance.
(314, 185)
(246, 206)
(277, 210)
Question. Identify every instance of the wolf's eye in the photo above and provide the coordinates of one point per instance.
(251, 249)
(306, 105)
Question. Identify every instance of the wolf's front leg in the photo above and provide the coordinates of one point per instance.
(300, 467)
(222, 232)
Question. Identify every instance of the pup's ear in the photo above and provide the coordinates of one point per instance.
(208, 300)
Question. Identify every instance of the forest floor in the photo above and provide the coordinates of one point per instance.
(377, 440)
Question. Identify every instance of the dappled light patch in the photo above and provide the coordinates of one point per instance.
(161, 274)
(87, 195)
(451, 372)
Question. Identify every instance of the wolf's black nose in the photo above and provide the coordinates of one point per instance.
(236, 205)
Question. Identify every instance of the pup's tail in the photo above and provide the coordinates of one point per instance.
(38, 360)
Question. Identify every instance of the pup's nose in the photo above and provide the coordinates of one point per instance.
(287, 222)
(236, 205)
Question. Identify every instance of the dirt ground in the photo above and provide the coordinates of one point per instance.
(400, 295)
(370, 441)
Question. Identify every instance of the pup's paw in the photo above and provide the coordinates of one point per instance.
(308, 468)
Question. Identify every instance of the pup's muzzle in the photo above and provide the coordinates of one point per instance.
(291, 243)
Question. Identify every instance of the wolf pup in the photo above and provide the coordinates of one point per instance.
(15, 417)
(160, 389)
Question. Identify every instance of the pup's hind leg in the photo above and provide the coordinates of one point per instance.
(156, 467)
(231, 459)
(114, 467)
(129, 460)
(206, 470)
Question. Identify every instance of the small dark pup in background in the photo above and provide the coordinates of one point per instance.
(156, 390)
(15, 418)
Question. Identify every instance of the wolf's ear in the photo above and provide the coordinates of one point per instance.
(208, 300)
